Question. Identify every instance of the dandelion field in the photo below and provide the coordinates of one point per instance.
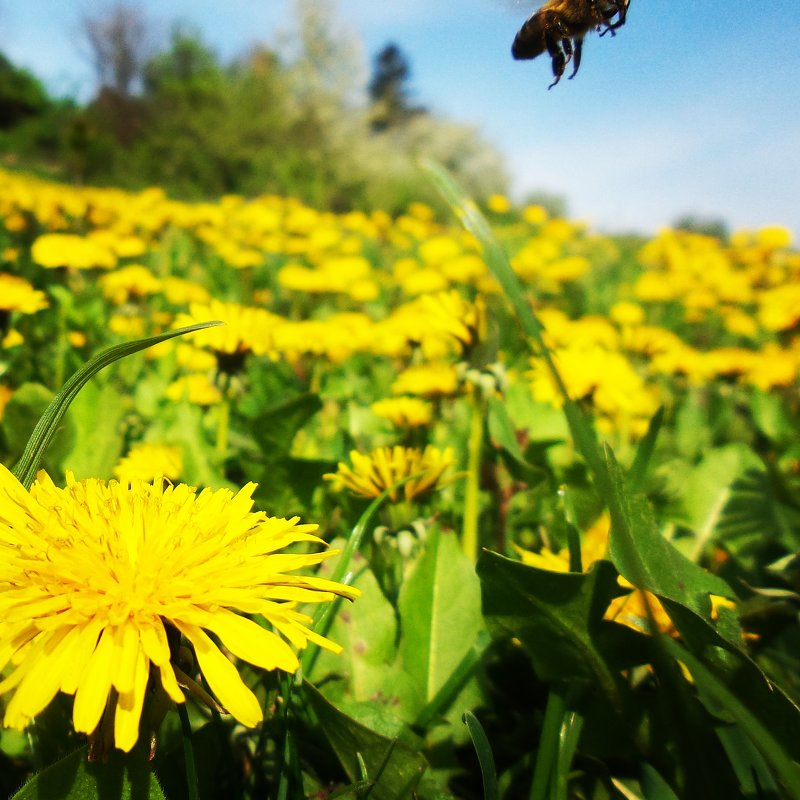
(453, 503)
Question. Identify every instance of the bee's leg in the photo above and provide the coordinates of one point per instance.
(620, 8)
(560, 51)
(576, 61)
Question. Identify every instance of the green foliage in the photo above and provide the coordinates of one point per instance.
(74, 778)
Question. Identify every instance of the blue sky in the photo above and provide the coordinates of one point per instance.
(694, 107)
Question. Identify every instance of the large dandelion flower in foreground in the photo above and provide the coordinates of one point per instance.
(99, 580)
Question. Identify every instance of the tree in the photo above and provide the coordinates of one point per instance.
(21, 95)
(120, 42)
(389, 91)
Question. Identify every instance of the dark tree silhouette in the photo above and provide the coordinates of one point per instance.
(389, 90)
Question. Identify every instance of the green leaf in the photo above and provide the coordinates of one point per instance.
(708, 490)
(122, 777)
(440, 613)
(761, 511)
(396, 767)
(501, 430)
(649, 561)
(644, 452)
(654, 787)
(737, 688)
(97, 414)
(367, 630)
(556, 615)
(276, 427)
(46, 428)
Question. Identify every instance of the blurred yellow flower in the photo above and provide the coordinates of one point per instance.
(197, 388)
(427, 380)
(410, 412)
(498, 203)
(69, 250)
(128, 282)
(16, 294)
(147, 461)
(100, 581)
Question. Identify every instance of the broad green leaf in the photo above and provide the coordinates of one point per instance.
(770, 414)
(649, 561)
(708, 490)
(122, 777)
(556, 615)
(48, 425)
(761, 511)
(396, 767)
(276, 427)
(367, 630)
(440, 613)
(97, 414)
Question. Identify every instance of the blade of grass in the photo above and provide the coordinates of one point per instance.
(485, 757)
(28, 464)
(547, 753)
(496, 259)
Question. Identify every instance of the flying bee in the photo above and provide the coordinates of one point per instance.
(559, 27)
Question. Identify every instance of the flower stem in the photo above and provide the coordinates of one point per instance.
(188, 753)
(223, 422)
(469, 534)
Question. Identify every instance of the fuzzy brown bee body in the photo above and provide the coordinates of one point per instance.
(559, 27)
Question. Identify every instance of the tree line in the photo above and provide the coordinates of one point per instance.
(299, 123)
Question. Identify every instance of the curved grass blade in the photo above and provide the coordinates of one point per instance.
(485, 756)
(28, 464)
(496, 259)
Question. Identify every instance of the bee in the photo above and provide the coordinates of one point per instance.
(559, 27)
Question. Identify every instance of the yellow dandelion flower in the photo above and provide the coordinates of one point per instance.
(129, 325)
(410, 412)
(498, 203)
(246, 329)
(77, 339)
(427, 380)
(535, 215)
(99, 581)
(131, 281)
(13, 338)
(69, 250)
(147, 461)
(16, 294)
(180, 292)
(197, 388)
(381, 469)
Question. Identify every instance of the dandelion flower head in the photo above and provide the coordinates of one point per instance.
(97, 579)
(373, 473)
